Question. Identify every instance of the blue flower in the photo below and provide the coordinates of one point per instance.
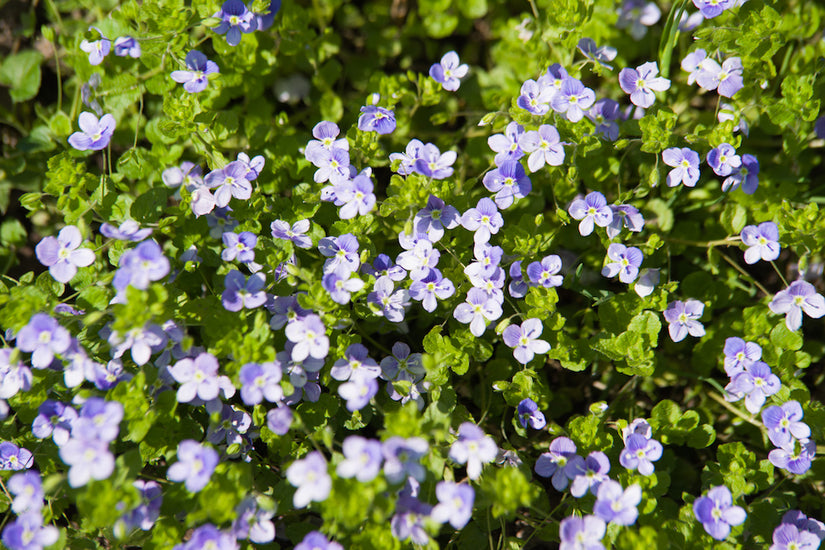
(762, 242)
(195, 465)
(723, 159)
(528, 413)
(717, 513)
(686, 166)
(376, 119)
(197, 77)
(757, 382)
(640, 453)
(641, 82)
(455, 503)
(582, 533)
(127, 45)
(95, 133)
(591, 210)
(615, 505)
(683, 319)
(624, 262)
(235, 19)
(449, 71)
(604, 114)
(241, 293)
(97, 49)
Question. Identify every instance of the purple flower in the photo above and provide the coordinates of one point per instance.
(478, 307)
(340, 285)
(230, 181)
(88, 458)
(804, 523)
(747, 175)
(15, 458)
(717, 513)
(62, 254)
(573, 99)
(54, 419)
(128, 231)
(326, 137)
(604, 114)
(14, 376)
(408, 158)
(473, 448)
(362, 459)
(376, 119)
(28, 492)
(618, 506)
(316, 541)
(401, 458)
(208, 536)
(640, 453)
(390, 304)
(449, 71)
(140, 266)
(795, 458)
(588, 473)
(281, 230)
(528, 413)
(686, 166)
(147, 512)
(195, 465)
(508, 182)
(198, 378)
(279, 420)
(309, 336)
(582, 533)
(434, 218)
(431, 163)
(261, 381)
(127, 45)
(506, 145)
(241, 293)
(27, 532)
(240, 246)
(333, 165)
(253, 523)
(524, 340)
(557, 461)
(310, 477)
(727, 79)
(535, 98)
(356, 364)
(723, 159)
(95, 133)
(588, 48)
(683, 318)
(798, 297)
(641, 82)
(484, 220)
(97, 49)
(431, 288)
(739, 355)
(235, 19)
(624, 215)
(44, 338)
(624, 262)
(553, 78)
(693, 63)
(341, 251)
(358, 392)
(455, 503)
(544, 147)
(357, 197)
(762, 242)
(197, 77)
(789, 537)
(784, 423)
(712, 8)
(638, 14)
(757, 381)
(408, 520)
(420, 259)
(591, 210)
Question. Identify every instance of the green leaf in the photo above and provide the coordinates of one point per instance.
(657, 131)
(21, 71)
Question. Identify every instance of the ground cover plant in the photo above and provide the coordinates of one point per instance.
(433, 273)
